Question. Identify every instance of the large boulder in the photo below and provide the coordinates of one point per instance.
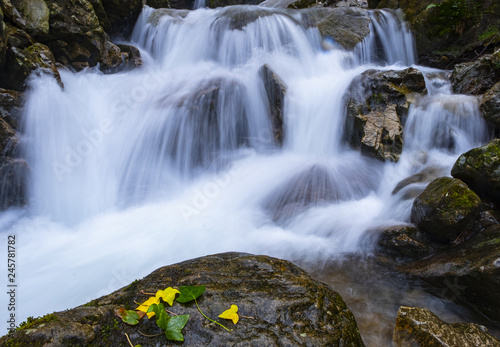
(468, 274)
(490, 105)
(420, 327)
(275, 90)
(450, 31)
(404, 241)
(445, 209)
(478, 76)
(480, 169)
(377, 101)
(282, 304)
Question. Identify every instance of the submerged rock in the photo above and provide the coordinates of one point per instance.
(468, 273)
(445, 209)
(420, 327)
(377, 101)
(276, 91)
(478, 76)
(286, 306)
(479, 168)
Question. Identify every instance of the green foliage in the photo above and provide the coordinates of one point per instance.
(453, 16)
(32, 322)
(490, 33)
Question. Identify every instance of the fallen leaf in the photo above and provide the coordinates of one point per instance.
(174, 327)
(145, 305)
(168, 295)
(128, 316)
(189, 293)
(231, 314)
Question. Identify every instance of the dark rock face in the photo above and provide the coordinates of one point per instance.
(420, 327)
(468, 273)
(276, 91)
(490, 105)
(288, 307)
(478, 76)
(122, 15)
(444, 209)
(452, 31)
(404, 241)
(377, 101)
(479, 168)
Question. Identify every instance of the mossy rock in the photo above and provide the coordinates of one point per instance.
(490, 105)
(420, 327)
(287, 307)
(444, 209)
(479, 168)
(404, 241)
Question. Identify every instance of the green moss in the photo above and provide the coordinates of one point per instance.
(32, 322)
(92, 303)
(131, 286)
(490, 33)
(453, 16)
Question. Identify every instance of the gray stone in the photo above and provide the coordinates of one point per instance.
(276, 91)
(490, 105)
(36, 14)
(420, 327)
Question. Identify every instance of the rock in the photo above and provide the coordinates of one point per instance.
(479, 169)
(122, 15)
(76, 37)
(287, 308)
(445, 209)
(13, 175)
(478, 76)
(312, 186)
(3, 39)
(376, 103)
(347, 26)
(7, 138)
(36, 14)
(452, 31)
(12, 14)
(276, 91)
(404, 241)
(236, 17)
(175, 4)
(101, 14)
(20, 63)
(490, 105)
(10, 106)
(131, 56)
(426, 175)
(420, 327)
(468, 273)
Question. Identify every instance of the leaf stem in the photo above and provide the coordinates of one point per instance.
(196, 302)
(128, 339)
(140, 332)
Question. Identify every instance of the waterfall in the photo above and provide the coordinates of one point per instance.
(178, 159)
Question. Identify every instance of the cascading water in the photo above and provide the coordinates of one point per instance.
(177, 159)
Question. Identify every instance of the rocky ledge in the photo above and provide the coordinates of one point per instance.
(282, 304)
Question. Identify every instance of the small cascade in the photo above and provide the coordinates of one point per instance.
(389, 42)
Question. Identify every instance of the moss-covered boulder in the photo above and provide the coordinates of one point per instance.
(275, 90)
(445, 209)
(404, 241)
(490, 105)
(376, 102)
(450, 31)
(480, 169)
(286, 306)
(468, 273)
(477, 77)
(420, 327)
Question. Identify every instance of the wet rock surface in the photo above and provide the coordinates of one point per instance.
(420, 327)
(476, 77)
(276, 91)
(377, 101)
(479, 169)
(445, 209)
(287, 307)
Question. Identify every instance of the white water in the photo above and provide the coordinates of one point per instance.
(137, 170)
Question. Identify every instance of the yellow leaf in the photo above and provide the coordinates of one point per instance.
(168, 295)
(145, 305)
(231, 314)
